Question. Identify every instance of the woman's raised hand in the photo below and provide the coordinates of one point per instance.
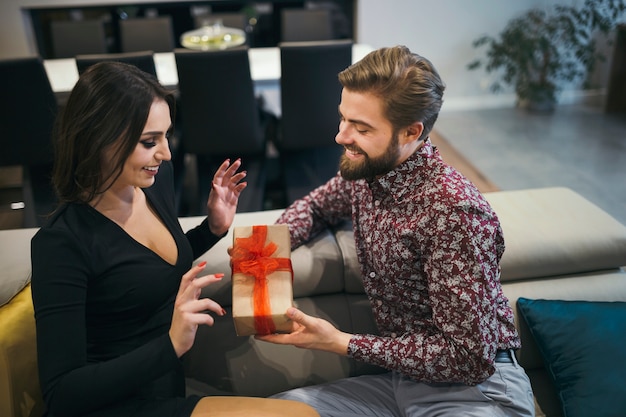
(226, 187)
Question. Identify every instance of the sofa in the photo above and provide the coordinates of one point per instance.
(564, 260)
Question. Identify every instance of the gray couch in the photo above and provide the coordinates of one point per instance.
(559, 246)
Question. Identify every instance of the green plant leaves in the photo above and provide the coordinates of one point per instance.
(539, 51)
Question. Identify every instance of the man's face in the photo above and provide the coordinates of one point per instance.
(370, 143)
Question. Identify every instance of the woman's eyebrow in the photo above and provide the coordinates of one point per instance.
(155, 132)
(151, 133)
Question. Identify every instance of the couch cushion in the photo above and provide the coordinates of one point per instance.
(15, 261)
(245, 366)
(352, 269)
(600, 286)
(555, 231)
(582, 343)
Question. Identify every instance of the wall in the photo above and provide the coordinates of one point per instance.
(441, 30)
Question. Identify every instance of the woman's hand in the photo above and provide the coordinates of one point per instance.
(226, 187)
(190, 310)
(311, 333)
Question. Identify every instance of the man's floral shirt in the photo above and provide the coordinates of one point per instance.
(429, 247)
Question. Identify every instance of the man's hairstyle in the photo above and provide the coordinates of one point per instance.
(407, 83)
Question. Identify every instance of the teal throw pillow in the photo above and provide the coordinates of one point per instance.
(583, 345)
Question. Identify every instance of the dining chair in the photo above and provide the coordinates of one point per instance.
(144, 60)
(221, 118)
(70, 38)
(310, 93)
(299, 25)
(147, 34)
(27, 125)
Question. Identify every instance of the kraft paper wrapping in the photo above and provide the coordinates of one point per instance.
(262, 280)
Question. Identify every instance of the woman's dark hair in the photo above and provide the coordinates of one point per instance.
(408, 84)
(106, 110)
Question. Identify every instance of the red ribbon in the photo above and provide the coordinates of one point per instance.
(251, 256)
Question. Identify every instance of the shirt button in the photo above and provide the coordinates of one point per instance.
(372, 274)
(379, 303)
(368, 240)
(377, 203)
(394, 335)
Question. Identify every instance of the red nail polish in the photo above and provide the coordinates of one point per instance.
(223, 312)
(202, 264)
(220, 275)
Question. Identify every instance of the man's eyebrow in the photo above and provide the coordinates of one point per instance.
(357, 121)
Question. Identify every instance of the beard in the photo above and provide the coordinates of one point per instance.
(370, 167)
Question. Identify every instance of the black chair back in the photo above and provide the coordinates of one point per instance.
(147, 34)
(219, 110)
(144, 60)
(31, 109)
(27, 126)
(220, 117)
(310, 95)
(300, 25)
(70, 38)
(310, 91)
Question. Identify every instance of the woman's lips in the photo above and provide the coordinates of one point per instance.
(151, 170)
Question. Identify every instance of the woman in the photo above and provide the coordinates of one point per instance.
(113, 314)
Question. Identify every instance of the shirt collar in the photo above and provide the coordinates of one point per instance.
(405, 176)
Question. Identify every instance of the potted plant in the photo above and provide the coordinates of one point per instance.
(539, 51)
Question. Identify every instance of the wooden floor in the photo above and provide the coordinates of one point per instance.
(453, 158)
(578, 146)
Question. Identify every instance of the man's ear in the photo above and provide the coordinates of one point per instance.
(413, 132)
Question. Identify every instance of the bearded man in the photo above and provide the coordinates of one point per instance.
(429, 247)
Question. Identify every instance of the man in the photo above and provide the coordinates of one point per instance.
(429, 247)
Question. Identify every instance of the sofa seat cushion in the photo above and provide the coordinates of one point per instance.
(555, 231)
(226, 363)
(582, 345)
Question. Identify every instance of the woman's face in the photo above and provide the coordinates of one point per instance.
(143, 163)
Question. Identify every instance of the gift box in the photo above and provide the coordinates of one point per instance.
(262, 279)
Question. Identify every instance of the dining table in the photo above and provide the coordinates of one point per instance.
(264, 69)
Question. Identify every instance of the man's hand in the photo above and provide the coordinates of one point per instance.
(311, 333)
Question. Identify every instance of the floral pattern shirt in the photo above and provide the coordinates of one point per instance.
(429, 247)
